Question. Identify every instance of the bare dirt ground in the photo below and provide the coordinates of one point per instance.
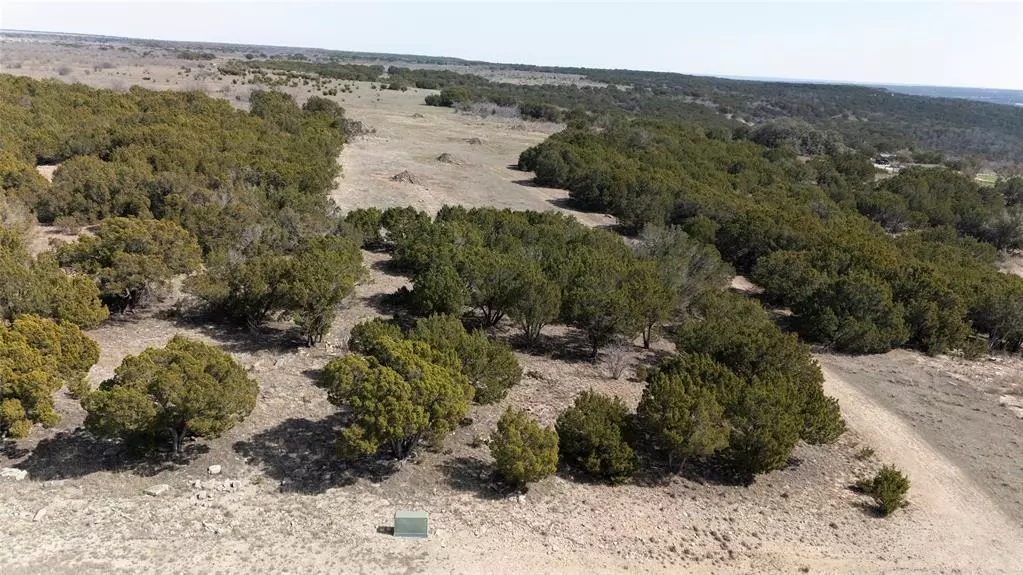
(970, 411)
(285, 504)
(411, 136)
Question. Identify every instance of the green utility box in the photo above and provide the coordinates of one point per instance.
(411, 524)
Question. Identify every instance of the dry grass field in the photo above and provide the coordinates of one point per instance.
(285, 504)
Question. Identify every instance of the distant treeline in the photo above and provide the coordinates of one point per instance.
(351, 72)
(867, 119)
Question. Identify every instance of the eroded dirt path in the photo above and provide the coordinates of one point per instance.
(974, 536)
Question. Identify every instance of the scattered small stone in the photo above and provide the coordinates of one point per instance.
(833, 525)
(13, 473)
(157, 490)
(40, 515)
(406, 177)
(447, 158)
(475, 141)
(196, 484)
(213, 470)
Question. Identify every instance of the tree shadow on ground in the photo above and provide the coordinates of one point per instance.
(10, 450)
(74, 454)
(653, 470)
(237, 339)
(867, 508)
(572, 204)
(572, 347)
(301, 455)
(475, 476)
(389, 304)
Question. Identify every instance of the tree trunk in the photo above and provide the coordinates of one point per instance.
(176, 441)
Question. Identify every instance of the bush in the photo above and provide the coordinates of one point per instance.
(523, 451)
(888, 488)
(439, 290)
(591, 437)
(490, 365)
(322, 272)
(132, 259)
(78, 388)
(37, 357)
(765, 424)
(67, 224)
(681, 410)
(38, 286)
(184, 389)
(365, 336)
(409, 393)
(363, 226)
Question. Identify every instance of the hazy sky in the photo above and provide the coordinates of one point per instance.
(951, 44)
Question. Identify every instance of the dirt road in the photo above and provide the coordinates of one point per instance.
(968, 522)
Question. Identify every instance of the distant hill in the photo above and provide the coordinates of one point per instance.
(993, 95)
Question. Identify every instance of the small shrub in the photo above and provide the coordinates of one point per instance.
(64, 70)
(591, 437)
(642, 372)
(865, 453)
(67, 224)
(617, 358)
(888, 488)
(523, 451)
(78, 388)
(365, 335)
(974, 348)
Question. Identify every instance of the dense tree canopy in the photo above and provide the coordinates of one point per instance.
(228, 177)
(803, 231)
(307, 283)
(536, 268)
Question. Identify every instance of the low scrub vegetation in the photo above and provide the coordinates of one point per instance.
(524, 451)
(888, 488)
(592, 437)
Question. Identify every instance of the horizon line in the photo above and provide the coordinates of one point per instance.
(742, 78)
